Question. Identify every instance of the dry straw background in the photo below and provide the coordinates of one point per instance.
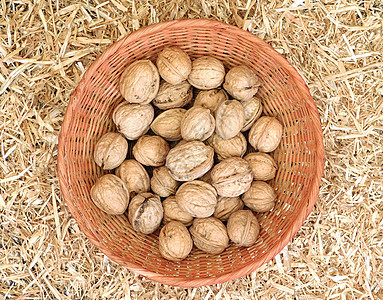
(45, 47)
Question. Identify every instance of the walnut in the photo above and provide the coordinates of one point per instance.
(173, 96)
(133, 120)
(235, 146)
(162, 183)
(175, 242)
(226, 206)
(190, 160)
(231, 177)
(145, 212)
(174, 65)
(110, 150)
(140, 82)
(253, 110)
(241, 82)
(197, 124)
(168, 124)
(134, 175)
(173, 212)
(229, 119)
(197, 198)
(209, 235)
(151, 150)
(110, 194)
(243, 228)
(262, 165)
(206, 177)
(266, 134)
(211, 99)
(207, 73)
(260, 197)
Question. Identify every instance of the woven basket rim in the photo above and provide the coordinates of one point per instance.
(284, 239)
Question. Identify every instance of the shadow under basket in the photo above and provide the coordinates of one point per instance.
(300, 157)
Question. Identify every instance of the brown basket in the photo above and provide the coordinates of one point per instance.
(300, 157)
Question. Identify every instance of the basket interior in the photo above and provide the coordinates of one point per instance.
(90, 117)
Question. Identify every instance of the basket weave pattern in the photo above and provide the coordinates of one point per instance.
(300, 158)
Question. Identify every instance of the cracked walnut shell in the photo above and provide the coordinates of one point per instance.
(207, 73)
(173, 96)
(110, 150)
(253, 110)
(243, 228)
(173, 212)
(229, 119)
(211, 99)
(175, 242)
(197, 124)
(134, 175)
(241, 82)
(260, 197)
(168, 124)
(151, 150)
(162, 183)
(110, 194)
(226, 206)
(262, 165)
(140, 81)
(266, 134)
(235, 146)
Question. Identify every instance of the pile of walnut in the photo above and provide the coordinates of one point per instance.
(186, 138)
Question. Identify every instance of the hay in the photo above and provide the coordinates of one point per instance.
(336, 45)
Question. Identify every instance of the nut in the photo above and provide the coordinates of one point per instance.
(266, 134)
(226, 206)
(207, 73)
(140, 82)
(190, 160)
(262, 165)
(197, 198)
(211, 99)
(231, 177)
(168, 124)
(173, 96)
(134, 175)
(173, 212)
(145, 212)
(197, 124)
(175, 242)
(110, 150)
(174, 65)
(110, 194)
(162, 183)
(229, 119)
(253, 110)
(133, 120)
(151, 150)
(243, 228)
(209, 235)
(241, 82)
(206, 177)
(235, 146)
(260, 197)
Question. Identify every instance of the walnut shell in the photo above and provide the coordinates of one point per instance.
(151, 150)
(145, 212)
(229, 119)
(241, 82)
(206, 178)
(235, 146)
(231, 177)
(266, 134)
(174, 64)
(243, 228)
(207, 73)
(110, 150)
(190, 160)
(226, 206)
(175, 242)
(168, 124)
(211, 99)
(133, 120)
(173, 96)
(253, 110)
(260, 197)
(173, 212)
(209, 235)
(140, 82)
(110, 194)
(134, 175)
(197, 198)
(197, 124)
(162, 183)
(262, 165)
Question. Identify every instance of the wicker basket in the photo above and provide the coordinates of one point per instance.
(300, 158)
